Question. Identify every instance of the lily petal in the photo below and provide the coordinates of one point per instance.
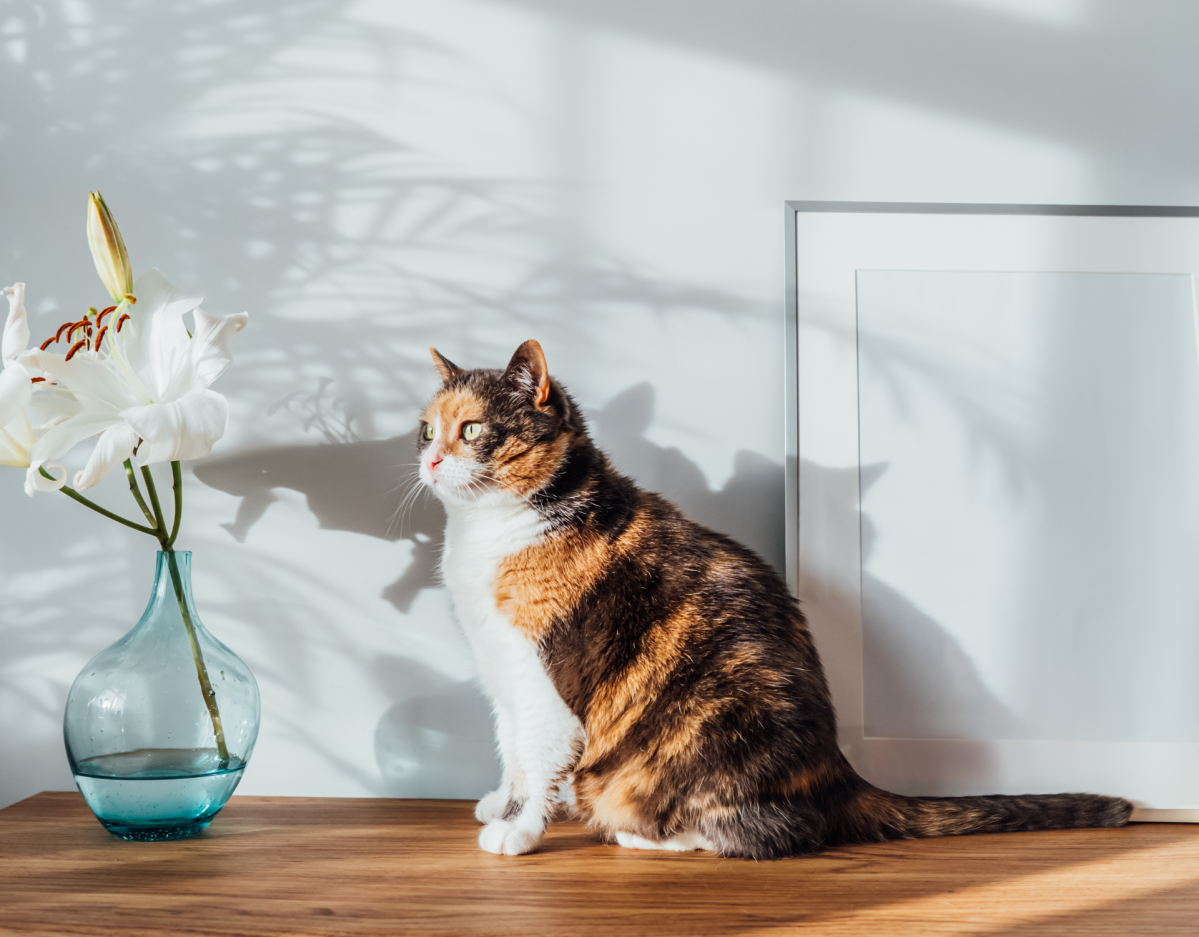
(16, 327)
(15, 393)
(12, 453)
(115, 445)
(62, 436)
(210, 352)
(16, 441)
(179, 430)
(154, 342)
(35, 481)
(86, 376)
(52, 405)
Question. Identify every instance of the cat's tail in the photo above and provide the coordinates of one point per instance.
(871, 815)
(844, 808)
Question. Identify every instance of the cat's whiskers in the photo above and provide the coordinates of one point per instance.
(415, 488)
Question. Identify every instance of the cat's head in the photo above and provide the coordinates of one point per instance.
(490, 434)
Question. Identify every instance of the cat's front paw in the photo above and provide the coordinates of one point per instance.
(505, 838)
(492, 806)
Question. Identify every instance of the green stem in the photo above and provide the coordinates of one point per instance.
(76, 496)
(161, 533)
(214, 712)
(177, 489)
(206, 689)
(137, 492)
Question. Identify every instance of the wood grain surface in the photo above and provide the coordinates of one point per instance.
(272, 865)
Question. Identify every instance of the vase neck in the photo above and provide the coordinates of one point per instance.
(172, 577)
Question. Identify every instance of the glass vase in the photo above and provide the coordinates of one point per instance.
(159, 726)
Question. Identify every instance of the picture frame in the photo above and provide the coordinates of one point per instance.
(845, 263)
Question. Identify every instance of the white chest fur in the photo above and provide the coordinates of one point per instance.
(478, 537)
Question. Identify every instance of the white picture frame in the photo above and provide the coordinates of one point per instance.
(827, 244)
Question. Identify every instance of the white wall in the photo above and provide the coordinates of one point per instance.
(371, 177)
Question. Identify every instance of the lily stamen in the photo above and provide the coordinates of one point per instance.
(132, 299)
(103, 313)
(75, 348)
(51, 340)
(36, 380)
(91, 311)
(99, 336)
(62, 328)
(121, 321)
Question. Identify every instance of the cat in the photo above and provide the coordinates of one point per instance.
(660, 668)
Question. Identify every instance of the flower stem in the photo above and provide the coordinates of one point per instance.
(177, 490)
(214, 712)
(206, 689)
(76, 496)
(161, 532)
(137, 492)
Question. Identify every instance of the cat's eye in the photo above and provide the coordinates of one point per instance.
(470, 431)
(428, 431)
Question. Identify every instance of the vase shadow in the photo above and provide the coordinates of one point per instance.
(436, 740)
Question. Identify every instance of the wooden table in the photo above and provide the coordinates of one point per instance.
(279, 865)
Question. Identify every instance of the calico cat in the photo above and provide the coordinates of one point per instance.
(662, 668)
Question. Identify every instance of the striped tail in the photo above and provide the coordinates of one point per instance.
(872, 815)
(840, 807)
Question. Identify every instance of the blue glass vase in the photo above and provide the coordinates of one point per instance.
(159, 726)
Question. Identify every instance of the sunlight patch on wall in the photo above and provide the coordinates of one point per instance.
(1062, 13)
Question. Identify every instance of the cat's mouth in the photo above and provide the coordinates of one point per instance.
(457, 480)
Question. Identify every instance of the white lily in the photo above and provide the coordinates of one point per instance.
(18, 434)
(146, 389)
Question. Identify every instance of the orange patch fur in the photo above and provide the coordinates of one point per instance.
(453, 408)
(545, 581)
(610, 803)
(523, 469)
(619, 703)
(807, 781)
(682, 739)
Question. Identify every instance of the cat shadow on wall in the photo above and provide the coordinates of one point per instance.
(749, 508)
(918, 681)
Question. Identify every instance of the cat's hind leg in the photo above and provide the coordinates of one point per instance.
(687, 841)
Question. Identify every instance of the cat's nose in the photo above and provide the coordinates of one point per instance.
(434, 460)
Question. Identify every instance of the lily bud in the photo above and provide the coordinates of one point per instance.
(108, 248)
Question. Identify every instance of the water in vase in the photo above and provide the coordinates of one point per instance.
(157, 793)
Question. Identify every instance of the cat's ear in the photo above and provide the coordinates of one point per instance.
(528, 373)
(445, 367)
(869, 474)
